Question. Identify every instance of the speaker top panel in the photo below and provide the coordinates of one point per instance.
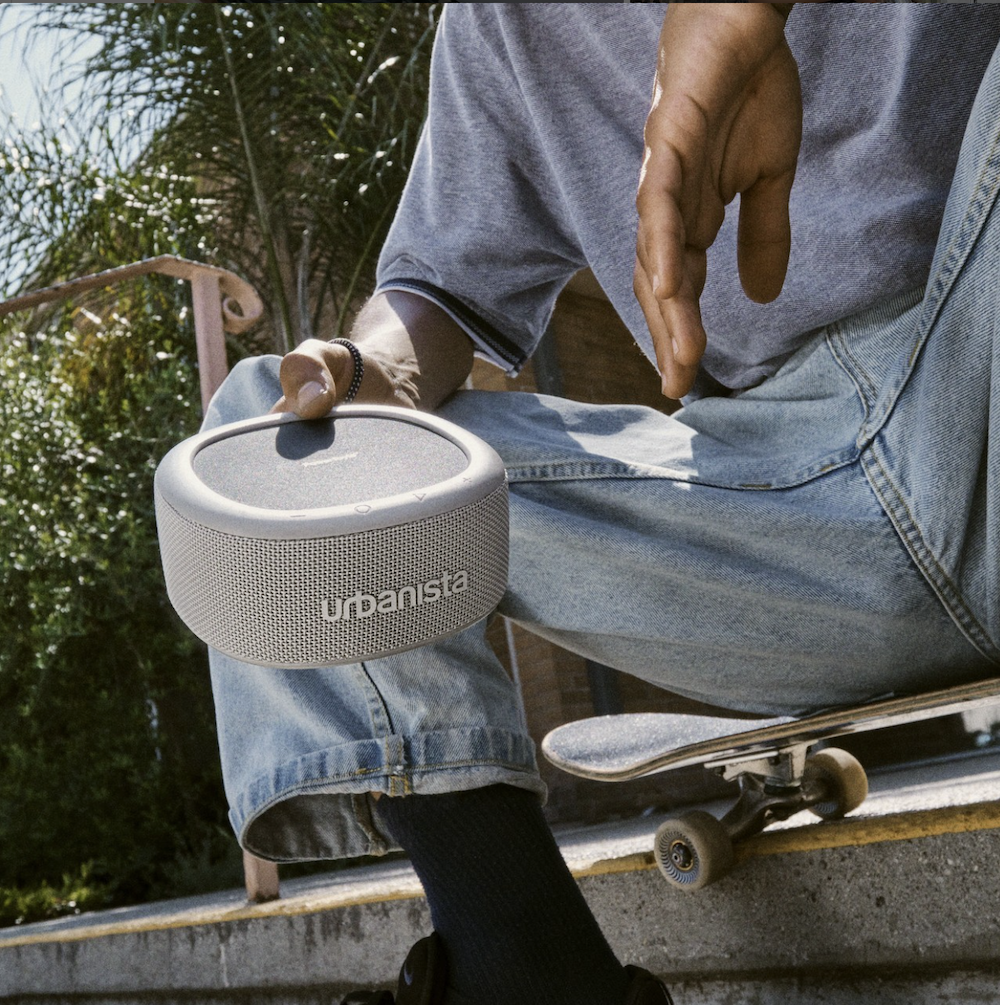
(327, 462)
(360, 468)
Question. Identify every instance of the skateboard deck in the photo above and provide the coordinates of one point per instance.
(773, 760)
(617, 748)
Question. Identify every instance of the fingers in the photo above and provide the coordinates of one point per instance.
(677, 332)
(311, 378)
(764, 239)
(678, 219)
(675, 200)
(662, 232)
(760, 164)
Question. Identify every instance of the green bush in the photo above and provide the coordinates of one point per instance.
(107, 751)
(73, 895)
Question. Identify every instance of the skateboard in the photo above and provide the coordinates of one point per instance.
(774, 761)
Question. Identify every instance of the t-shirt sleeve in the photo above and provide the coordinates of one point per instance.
(482, 228)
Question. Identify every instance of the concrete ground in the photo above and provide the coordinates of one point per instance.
(898, 903)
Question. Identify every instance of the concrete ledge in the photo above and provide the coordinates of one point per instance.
(898, 905)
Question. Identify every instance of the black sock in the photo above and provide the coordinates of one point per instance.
(516, 928)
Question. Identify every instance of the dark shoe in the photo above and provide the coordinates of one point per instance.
(422, 978)
(424, 974)
(645, 989)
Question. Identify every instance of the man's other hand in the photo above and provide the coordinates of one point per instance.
(726, 120)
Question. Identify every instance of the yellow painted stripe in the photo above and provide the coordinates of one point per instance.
(856, 832)
(861, 831)
(283, 908)
(853, 831)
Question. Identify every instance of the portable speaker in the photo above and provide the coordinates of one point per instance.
(292, 543)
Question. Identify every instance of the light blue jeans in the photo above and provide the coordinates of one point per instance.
(830, 536)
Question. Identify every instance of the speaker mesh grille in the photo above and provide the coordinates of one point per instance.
(262, 601)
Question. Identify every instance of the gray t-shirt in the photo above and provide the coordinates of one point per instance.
(527, 168)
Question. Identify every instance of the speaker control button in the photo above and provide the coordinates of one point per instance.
(362, 508)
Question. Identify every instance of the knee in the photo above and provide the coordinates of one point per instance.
(251, 389)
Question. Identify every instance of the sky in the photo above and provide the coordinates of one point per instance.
(20, 70)
(25, 72)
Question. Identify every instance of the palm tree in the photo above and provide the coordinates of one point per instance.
(272, 139)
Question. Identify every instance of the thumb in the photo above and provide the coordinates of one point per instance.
(308, 385)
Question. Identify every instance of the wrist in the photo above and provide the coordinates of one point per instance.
(358, 372)
(422, 353)
(390, 380)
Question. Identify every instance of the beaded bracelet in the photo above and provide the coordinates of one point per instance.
(359, 367)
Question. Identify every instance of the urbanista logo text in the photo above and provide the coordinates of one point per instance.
(364, 605)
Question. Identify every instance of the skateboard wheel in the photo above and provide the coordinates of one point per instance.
(693, 850)
(843, 776)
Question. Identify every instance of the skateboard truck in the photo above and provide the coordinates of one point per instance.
(779, 764)
(694, 849)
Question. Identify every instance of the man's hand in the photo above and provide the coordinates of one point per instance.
(726, 119)
(414, 356)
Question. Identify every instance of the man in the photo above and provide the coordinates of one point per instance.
(813, 528)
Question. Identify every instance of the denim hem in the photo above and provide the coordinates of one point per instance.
(315, 806)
